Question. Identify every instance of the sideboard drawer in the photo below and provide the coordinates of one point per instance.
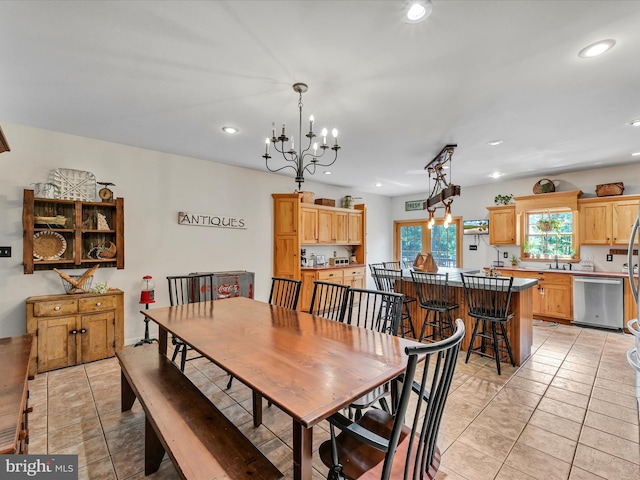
(107, 302)
(56, 308)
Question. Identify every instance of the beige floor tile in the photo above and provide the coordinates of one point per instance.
(113, 420)
(580, 474)
(576, 376)
(129, 461)
(74, 434)
(493, 418)
(614, 386)
(564, 410)
(537, 464)
(555, 424)
(555, 445)
(629, 415)
(470, 463)
(580, 368)
(460, 407)
(611, 444)
(446, 474)
(507, 472)
(166, 472)
(477, 391)
(88, 452)
(571, 385)
(540, 367)
(628, 401)
(37, 444)
(537, 357)
(605, 465)
(518, 396)
(452, 426)
(567, 397)
(122, 438)
(488, 442)
(612, 425)
(539, 377)
(528, 385)
(72, 415)
(99, 470)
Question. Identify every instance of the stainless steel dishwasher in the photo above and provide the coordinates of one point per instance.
(598, 301)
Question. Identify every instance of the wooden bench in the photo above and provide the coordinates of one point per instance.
(182, 421)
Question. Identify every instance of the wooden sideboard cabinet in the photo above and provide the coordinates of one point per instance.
(15, 353)
(73, 329)
(353, 275)
(502, 225)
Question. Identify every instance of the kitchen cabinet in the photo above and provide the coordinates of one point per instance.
(298, 224)
(607, 221)
(67, 234)
(353, 276)
(630, 307)
(502, 225)
(74, 329)
(552, 296)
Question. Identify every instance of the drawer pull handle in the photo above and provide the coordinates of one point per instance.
(74, 332)
(98, 304)
(56, 308)
(83, 330)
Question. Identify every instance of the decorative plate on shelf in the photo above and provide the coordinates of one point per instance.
(48, 245)
(74, 184)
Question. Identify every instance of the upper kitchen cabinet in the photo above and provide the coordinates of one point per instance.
(607, 221)
(502, 225)
(68, 234)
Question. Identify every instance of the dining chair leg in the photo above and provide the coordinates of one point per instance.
(229, 382)
(473, 338)
(506, 341)
(496, 347)
(183, 360)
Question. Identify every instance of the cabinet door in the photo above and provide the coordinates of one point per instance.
(326, 226)
(355, 228)
(557, 301)
(624, 215)
(97, 336)
(341, 227)
(354, 277)
(286, 260)
(308, 277)
(309, 219)
(285, 216)
(56, 343)
(595, 224)
(502, 226)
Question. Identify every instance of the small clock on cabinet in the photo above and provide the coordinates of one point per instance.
(105, 193)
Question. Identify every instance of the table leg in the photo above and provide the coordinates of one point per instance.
(257, 409)
(162, 340)
(302, 451)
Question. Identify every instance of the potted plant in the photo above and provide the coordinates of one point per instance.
(515, 261)
(503, 199)
(548, 224)
(526, 249)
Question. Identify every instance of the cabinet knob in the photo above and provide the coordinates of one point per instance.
(98, 304)
(83, 330)
(56, 308)
(74, 332)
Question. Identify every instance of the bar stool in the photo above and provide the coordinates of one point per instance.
(433, 295)
(488, 301)
(390, 280)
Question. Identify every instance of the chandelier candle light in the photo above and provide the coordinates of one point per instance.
(296, 159)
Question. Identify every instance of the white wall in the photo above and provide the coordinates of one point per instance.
(473, 201)
(155, 187)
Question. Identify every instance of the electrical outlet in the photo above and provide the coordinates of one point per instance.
(473, 247)
(505, 255)
(5, 251)
(609, 257)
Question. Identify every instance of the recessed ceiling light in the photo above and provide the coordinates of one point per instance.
(378, 184)
(635, 123)
(327, 172)
(230, 130)
(496, 175)
(417, 10)
(635, 154)
(597, 48)
(495, 142)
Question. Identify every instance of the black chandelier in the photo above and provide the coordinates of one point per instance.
(442, 192)
(296, 160)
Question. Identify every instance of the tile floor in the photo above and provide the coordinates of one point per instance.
(569, 412)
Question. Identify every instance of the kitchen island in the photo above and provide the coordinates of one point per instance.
(519, 328)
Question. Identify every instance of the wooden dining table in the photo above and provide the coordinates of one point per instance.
(308, 366)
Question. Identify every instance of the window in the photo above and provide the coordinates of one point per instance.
(413, 237)
(550, 233)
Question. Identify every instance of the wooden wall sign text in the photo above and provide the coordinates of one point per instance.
(208, 220)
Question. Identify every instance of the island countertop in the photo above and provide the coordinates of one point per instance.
(455, 280)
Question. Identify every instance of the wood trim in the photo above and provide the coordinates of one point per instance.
(544, 201)
(4, 145)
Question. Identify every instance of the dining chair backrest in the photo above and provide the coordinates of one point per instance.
(388, 280)
(329, 300)
(374, 309)
(488, 298)
(392, 265)
(285, 292)
(190, 288)
(409, 451)
(373, 267)
(432, 289)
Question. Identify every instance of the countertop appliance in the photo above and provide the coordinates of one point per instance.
(598, 302)
(633, 355)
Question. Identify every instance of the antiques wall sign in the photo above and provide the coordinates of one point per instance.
(211, 220)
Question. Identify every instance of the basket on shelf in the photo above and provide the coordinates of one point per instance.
(58, 221)
(106, 250)
(544, 185)
(81, 286)
(608, 189)
(48, 245)
(307, 197)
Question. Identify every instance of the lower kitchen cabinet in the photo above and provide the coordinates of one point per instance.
(353, 276)
(74, 329)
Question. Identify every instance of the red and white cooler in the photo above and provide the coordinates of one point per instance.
(235, 283)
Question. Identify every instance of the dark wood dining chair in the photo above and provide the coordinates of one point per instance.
(432, 290)
(390, 280)
(380, 311)
(185, 289)
(488, 301)
(372, 268)
(402, 445)
(329, 300)
(285, 292)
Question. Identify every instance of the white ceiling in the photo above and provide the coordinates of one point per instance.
(168, 75)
